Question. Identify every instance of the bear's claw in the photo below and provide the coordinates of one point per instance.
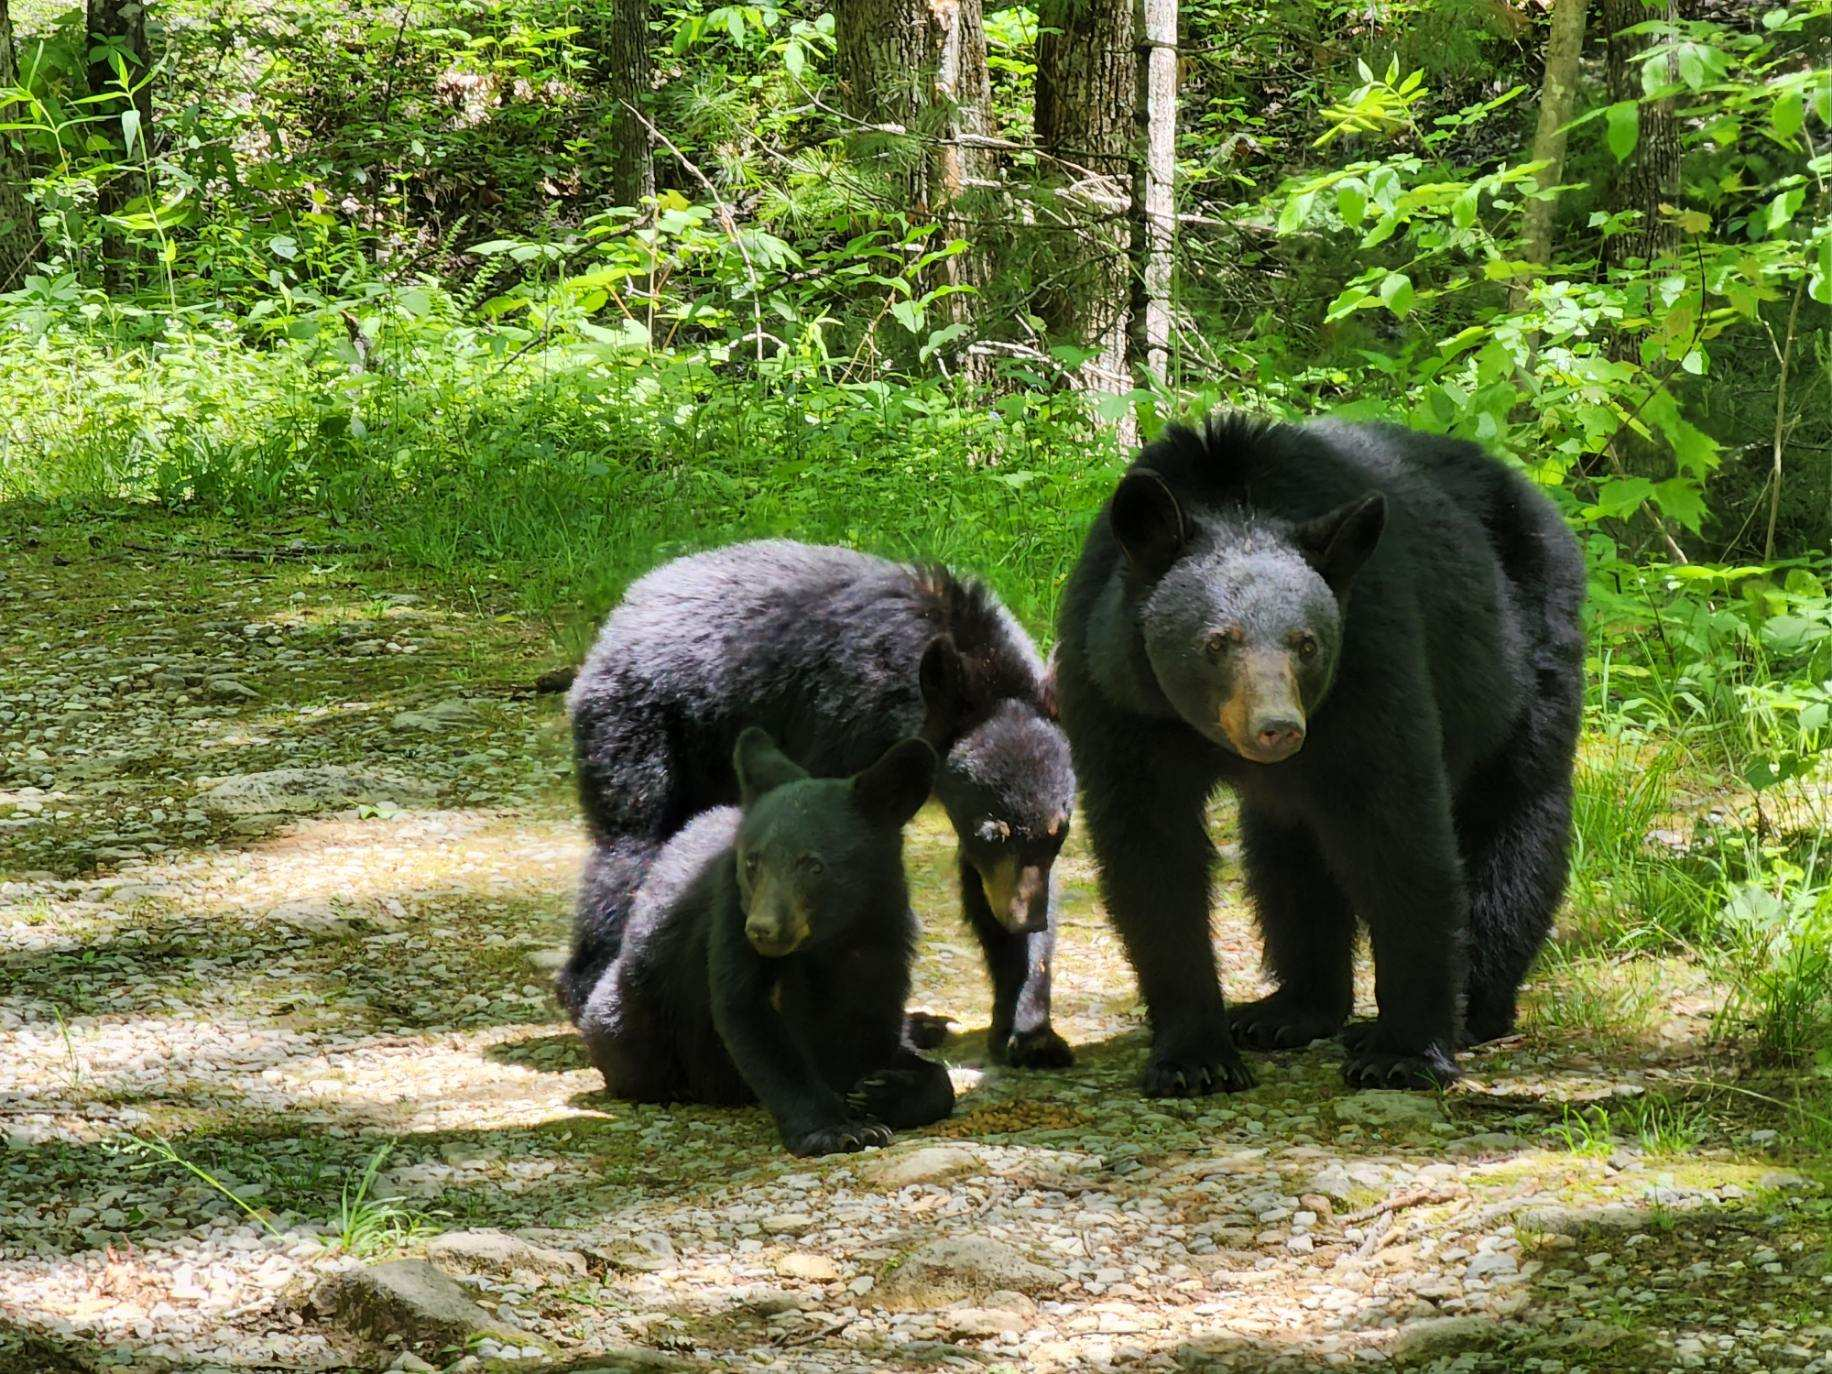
(1279, 1023)
(1197, 1075)
(842, 1137)
(1375, 1061)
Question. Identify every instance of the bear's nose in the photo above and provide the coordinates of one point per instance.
(1280, 736)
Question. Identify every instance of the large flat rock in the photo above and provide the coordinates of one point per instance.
(962, 1269)
(410, 1299)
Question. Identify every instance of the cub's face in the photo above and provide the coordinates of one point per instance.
(811, 852)
(1008, 788)
(1007, 784)
(1241, 620)
(1244, 648)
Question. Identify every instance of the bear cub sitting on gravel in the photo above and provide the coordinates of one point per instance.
(767, 957)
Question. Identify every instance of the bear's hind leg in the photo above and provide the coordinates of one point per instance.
(1517, 840)
(614, 869)
(635, 798)
(1309, 934)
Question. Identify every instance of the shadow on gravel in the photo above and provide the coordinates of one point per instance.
(148, 963)
(561, 1053)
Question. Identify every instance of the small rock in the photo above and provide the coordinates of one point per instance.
(433, 719)
(801, 1264)
(230, 689)
(899, 1168)
(1488, 1142)
(1782, 1180)
(962, 1268)
(1492, 1265)
(1386, 1107)
(786, 1223)
(498, 1252)
(309, 914)
(1575, 1221)
(971, 1322)
(644, 1253)
(1446, 1336)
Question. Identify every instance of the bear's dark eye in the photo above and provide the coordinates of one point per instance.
(752, 862)
(811, 865)
(1307, 646)
(1221, 641)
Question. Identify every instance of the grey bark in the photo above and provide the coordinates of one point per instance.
(1649, 177)
(913, 76)
(1154, 227)
(629, 72)
(1086, 98)
(1557, 94)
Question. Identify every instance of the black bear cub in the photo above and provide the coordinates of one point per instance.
(838, 655)
(767, 958)
(1373, 637)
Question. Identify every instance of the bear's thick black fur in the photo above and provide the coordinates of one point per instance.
(1372, 636)
(767, 958)
(837, 654)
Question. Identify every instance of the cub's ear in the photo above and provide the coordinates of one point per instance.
(1046, 689)
(761, 766)
(943, 676)
(1336, 544)
(894, 788)
(1147, 521)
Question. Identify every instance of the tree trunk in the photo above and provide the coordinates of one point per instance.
(18, 233)
(1086, 100)
(120, 26)
(1154, 227)
(1649, 177)
(913, 73)
(1557, 94)
(629, 76)
(960, 170)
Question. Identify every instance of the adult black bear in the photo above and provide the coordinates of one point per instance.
(767, 958)
(1373, 637)
(838, 655)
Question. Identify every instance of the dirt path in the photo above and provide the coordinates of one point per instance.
(285, 852)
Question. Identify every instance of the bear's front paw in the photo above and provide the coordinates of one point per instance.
(878, 1094)
(837, 1138)
(1196, 1071)
(1280, 1022)
(1041, 1048)
(1378, 1059)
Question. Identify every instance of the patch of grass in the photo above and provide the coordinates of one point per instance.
(157, 1150)
(1629, 889)
(1586, 1131)
(365, 1224)
(1661, 1127)
(1598, 996)
(1778, 964)
(1665, 1126)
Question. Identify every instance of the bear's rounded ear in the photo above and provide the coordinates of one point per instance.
(1338, 542)
(1147, 521)
(761, 767)
(894, 788)
(943, 678)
